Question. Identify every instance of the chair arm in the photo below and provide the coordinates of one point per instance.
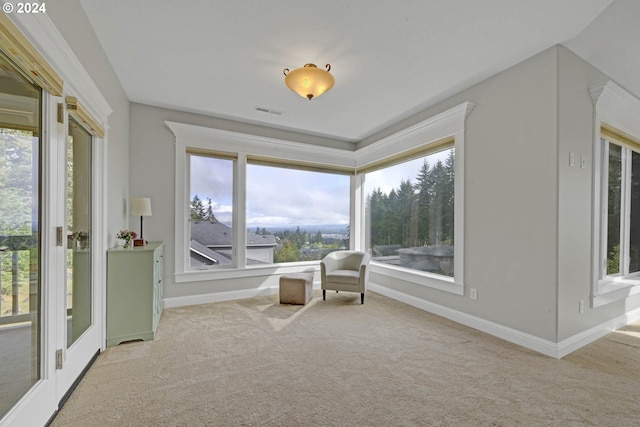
(329, 263)
(364, 270)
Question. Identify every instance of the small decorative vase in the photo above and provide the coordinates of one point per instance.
(128, 244)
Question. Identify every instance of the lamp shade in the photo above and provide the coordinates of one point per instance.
(140, 206)
(309, 81)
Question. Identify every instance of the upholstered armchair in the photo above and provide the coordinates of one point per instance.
(345, 271)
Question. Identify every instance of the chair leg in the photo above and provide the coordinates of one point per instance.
(362, 298)
(324, 295)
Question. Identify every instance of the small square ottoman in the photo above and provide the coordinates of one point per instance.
(296, 288)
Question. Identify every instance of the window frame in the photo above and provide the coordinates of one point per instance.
(449, 124)
(424, 151)
(616, 113)
(196, 139)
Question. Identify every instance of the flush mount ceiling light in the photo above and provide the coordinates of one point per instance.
(309, 81)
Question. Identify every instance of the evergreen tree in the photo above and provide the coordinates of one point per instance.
(424, 188)
(415, 215)
(16, 181)
(209, 216)
(197, 209)
(404, 208)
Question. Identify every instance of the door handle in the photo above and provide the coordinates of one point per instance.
(58, 236)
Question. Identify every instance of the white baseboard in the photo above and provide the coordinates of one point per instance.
(224, 296)
(219, 297)
(532, 342)
(573, 343)
(546, 347)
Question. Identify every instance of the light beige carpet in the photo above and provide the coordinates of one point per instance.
(338, 363)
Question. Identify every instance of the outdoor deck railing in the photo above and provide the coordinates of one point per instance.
(11, 247)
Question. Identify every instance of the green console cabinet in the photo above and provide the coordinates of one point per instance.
(134, 292)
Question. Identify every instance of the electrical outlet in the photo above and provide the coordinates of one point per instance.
(572, 159)
(473, 293)
(581, 306)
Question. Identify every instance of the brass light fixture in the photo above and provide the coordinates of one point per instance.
(309, 81)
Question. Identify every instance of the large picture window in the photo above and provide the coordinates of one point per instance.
(621, 191)
(295, 215)
(292, 214)
(410, 213)
(248, 201)
(210, 211)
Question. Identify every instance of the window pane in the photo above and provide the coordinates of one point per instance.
(78, 212)
(211, 209)
(634, 224)
(614, 206)
(410, 213)
(20, 205)
(295, 215)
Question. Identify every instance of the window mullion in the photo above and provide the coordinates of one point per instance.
(604, 218)
(239, 212)
(625, 211)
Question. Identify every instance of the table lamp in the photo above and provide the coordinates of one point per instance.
(140, 206)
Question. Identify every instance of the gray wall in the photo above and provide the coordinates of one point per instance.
(528, 213)
(510, 199)
(527, 220)
(575, 196)
(73, 24)
(152, 174)
(511, 196)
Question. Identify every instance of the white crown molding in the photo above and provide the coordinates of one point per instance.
(616, 107)
(443, 125)
(229, 141)
(46, 38)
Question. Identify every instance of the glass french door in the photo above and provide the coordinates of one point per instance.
(79, 230)
(20, 235)
(50, 314)
(79, 334)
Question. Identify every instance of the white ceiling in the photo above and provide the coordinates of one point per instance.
(390, 59)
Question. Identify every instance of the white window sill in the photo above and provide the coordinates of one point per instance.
(430, 280)
(218, 273)
(434, 281)
(610, 290)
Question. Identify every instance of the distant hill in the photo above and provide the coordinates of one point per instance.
(323, 228)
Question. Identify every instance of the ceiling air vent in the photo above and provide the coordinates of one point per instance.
(268, 110)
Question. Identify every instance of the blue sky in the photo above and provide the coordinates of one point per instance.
(289, 197)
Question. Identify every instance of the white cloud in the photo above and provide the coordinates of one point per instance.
(279, 196)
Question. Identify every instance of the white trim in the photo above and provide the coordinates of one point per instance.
(235, 142)
(219, 297)
(239, 229)
(450, 123)
(420, 278)
(357, 214)
(625, 289)
(532, 342)
(546, 347)
(249, 271)
(577, 341)
(446, 124)
(615, 107)
(45, 37)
